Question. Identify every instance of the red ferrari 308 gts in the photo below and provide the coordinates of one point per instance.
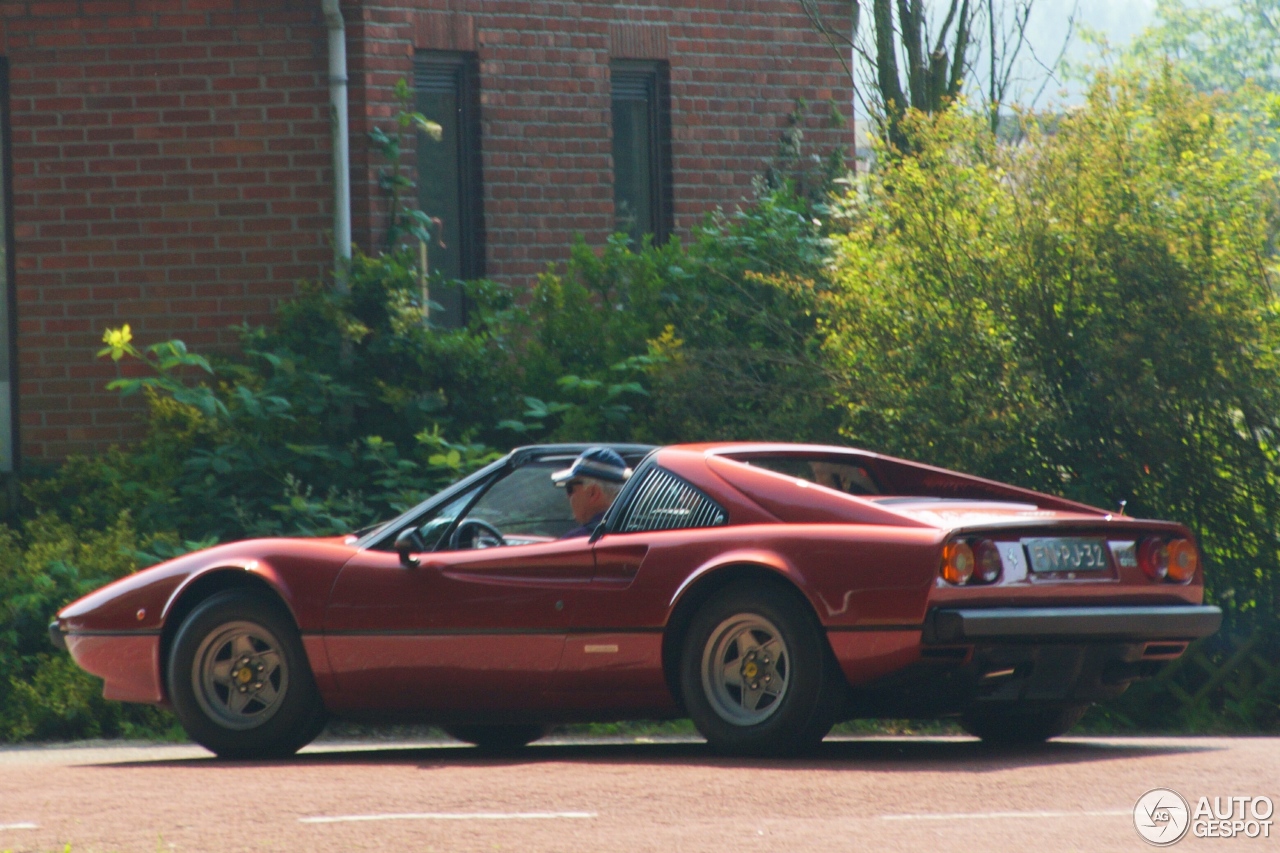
(765, 590)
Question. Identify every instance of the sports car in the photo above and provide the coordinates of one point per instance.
(767, 591)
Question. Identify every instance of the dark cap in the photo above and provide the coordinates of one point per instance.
(599, 463)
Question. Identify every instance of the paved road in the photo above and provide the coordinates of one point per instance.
(879, 794)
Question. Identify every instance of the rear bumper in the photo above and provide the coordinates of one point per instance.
(1075, 624)
(968, 657)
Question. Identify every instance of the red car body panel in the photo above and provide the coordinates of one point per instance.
(129, 664)
(574, 628)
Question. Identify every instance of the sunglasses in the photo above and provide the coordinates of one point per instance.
(571, 485)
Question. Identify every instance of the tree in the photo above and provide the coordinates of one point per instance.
(917, 57)
(932, 77)
(1090, 312)
(1218, 47)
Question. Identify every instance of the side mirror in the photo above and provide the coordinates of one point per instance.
(408, 543)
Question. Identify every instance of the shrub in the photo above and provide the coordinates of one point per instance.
(1089, 312)
(42, 693)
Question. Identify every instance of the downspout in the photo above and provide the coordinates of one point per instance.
(341, 142)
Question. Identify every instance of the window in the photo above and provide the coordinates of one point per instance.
(523, 505)
(641, 150)
(832, 472)
(433, 528)
(8, 302)
(447, 92)
(663, 501)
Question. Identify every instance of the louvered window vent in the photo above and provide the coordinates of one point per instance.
(663, 501)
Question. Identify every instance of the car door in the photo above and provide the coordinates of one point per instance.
(613, 658)
(467, 628)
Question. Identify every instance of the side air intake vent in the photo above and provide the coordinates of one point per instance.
(663, 501)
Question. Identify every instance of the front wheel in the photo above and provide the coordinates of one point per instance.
(756, 673)
(239, 679)
(1014, 724)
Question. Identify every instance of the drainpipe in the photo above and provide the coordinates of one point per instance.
(341, 142)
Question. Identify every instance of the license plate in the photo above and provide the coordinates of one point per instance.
(1066, 555)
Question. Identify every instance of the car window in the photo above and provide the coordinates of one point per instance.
(835, 474)
(525, 506)
(663, 501)
(437, 524)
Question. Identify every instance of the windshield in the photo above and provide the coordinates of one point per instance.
(526, 504)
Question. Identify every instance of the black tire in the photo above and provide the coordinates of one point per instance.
(1020, 725)
(239, 679)
(497, 738)
(730, 638)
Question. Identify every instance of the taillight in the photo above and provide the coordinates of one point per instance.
(1153, 558)
(987, 562)
(1173, 560)
(1183, 560)
(957, 563)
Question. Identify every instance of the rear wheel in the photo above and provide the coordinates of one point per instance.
(497, 738)
(239, 679)
(756, 673)
(1015, 724)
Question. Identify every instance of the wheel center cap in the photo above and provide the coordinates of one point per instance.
(750, 670)
(244, 675)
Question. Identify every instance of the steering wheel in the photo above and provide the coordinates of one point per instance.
(475, 533)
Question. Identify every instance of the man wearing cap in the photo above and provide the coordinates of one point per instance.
(591, 483)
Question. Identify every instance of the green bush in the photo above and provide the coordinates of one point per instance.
(43, 694)
(691, 341)
(352, 407)
(329, 421)
(1089, 312)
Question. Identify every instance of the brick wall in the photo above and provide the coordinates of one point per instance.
(172, 157)
(171, 168)
(736, 72)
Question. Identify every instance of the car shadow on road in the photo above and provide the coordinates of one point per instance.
(880, 754)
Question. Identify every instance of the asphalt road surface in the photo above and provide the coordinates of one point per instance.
(875, 794)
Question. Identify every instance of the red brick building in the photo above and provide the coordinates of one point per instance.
(170, 163)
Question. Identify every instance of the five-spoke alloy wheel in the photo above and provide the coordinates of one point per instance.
(239, 679)
(756, 673)
(745, 664)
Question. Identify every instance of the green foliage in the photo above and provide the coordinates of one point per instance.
(403, 220)
(329, 421)
(1090, 312)
(705, 340)
(43, 694)
(1217, 46)
(352, 407)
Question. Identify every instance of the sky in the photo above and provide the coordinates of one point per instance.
(1118, 20)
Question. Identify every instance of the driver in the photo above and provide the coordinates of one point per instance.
(591, 483)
